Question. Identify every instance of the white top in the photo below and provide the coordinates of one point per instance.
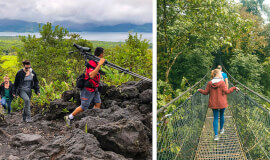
(216, 80)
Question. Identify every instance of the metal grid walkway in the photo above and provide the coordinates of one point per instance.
(227, 148)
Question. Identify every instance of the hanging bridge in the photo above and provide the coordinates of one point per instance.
(185, 129)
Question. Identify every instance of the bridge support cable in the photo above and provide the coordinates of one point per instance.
(186, 132)
(188, 90)
(245, 87)
(252, 120)
(253, 124)
(178, 133)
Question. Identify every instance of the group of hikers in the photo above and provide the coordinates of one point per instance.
(26, 80)
(218, 88)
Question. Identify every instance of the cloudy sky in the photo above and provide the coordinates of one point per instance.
(79, 11)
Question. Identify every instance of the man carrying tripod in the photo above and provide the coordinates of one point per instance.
(90, 91)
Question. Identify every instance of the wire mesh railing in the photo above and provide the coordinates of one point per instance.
(178, 132)
(253, 125)
(259, 98)
(252, 120)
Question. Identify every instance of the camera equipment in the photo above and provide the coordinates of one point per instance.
(86, 52)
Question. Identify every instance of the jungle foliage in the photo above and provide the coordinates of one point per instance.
(57, 69)
(193, 35)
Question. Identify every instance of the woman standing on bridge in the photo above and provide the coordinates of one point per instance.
(217, 99)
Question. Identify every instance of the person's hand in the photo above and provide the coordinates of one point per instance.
(101, 61)
(198, 90)
(38, 94)
(237, 89)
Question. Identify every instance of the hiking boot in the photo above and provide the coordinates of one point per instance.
(68, 121)
(222, 131)
(216, 138)
(28, 120)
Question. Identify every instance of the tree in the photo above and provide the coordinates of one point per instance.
(256, 7)
(49, 53)
(246, 69)
(185, 26)
(134, 55)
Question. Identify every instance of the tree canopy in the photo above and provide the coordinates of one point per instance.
(193, 34)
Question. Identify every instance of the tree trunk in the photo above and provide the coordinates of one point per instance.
(170, 67)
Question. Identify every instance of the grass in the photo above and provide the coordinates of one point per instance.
(9, 38)
(9, 65)
(9, 61)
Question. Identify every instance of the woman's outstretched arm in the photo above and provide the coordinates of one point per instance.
(227, 91)
(206, 91)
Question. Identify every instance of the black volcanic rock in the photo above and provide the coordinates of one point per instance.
(125, 137)
(146, 96)
(26, 139)
(77, 145)
(58, 109)
(120, 130)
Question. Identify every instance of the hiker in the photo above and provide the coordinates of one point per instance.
(89, 94)
(217, 99)
(224, 76)
(7, 93)
(26, 80)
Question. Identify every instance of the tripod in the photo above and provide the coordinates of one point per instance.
(85, 51)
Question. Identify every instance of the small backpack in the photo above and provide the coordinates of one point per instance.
(81, 82)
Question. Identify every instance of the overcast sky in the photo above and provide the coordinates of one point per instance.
(80, 11)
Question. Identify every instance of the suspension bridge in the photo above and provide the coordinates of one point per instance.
(185, 129)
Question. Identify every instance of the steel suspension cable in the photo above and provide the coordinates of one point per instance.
(188, 90)
(257, 94)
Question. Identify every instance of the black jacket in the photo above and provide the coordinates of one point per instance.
(20, 78)
(11, 89)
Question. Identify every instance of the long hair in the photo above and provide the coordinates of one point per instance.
(214, 73)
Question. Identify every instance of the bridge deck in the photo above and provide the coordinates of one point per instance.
(227, 148)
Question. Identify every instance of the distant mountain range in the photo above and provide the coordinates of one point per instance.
(7, 25)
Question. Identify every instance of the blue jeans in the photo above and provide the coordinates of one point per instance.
(89, 97)
(26, 94)
(215, 122)
(6, 104)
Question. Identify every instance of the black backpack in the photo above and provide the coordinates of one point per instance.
(81, 82)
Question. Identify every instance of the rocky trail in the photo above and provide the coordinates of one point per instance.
(121, 129)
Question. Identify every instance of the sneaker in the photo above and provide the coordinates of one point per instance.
(68, 121)
(216, 138)
(28, 120)
(222, 131)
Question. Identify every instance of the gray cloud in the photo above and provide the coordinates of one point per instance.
(79, 11)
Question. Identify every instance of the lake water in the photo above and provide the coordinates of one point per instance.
(96, 36)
